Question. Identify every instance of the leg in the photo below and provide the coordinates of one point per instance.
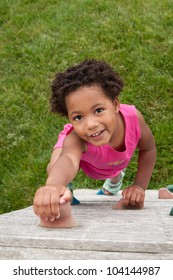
(113, 185)
(171, 212)
(170, 188)
(164, 193)
(74, 200)
(66, 219)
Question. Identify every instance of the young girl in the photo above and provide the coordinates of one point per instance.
(101, 138)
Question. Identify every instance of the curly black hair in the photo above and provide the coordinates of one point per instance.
(88, 73)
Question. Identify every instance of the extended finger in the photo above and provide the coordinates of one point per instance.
(66, 197)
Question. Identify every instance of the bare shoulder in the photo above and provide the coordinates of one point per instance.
(147, 139)
(72, 141)
(72, 147)
(141, 119)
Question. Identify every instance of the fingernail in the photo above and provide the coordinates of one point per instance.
(52, 219)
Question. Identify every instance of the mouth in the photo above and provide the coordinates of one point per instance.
(94, 135)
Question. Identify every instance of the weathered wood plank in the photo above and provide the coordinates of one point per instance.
(101, 231)
(53, 254)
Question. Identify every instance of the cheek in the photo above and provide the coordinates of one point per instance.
(110, 118)
(111, 122)
(77, 128)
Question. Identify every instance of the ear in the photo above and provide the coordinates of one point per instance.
(116, 104)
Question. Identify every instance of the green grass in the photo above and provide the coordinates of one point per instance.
(39, 38)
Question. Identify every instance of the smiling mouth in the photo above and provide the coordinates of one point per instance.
(97, 133)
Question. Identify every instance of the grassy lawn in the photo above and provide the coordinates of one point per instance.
(39, 38)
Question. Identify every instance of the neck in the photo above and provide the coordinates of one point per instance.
(118, 141)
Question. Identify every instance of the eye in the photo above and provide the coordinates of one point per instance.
(77, 118)
(99, 110)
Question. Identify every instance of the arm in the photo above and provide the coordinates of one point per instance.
(146, 156)
(54, 156)
(62, 170)
(135, 194)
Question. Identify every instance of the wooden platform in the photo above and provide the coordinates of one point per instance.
(102, 233)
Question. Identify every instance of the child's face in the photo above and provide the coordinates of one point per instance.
(93, 115)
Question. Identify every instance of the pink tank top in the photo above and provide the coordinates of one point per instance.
(102, 162)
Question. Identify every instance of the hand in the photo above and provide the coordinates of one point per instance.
(133, 196)
(48, 199)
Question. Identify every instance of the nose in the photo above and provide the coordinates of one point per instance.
(91, 123)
